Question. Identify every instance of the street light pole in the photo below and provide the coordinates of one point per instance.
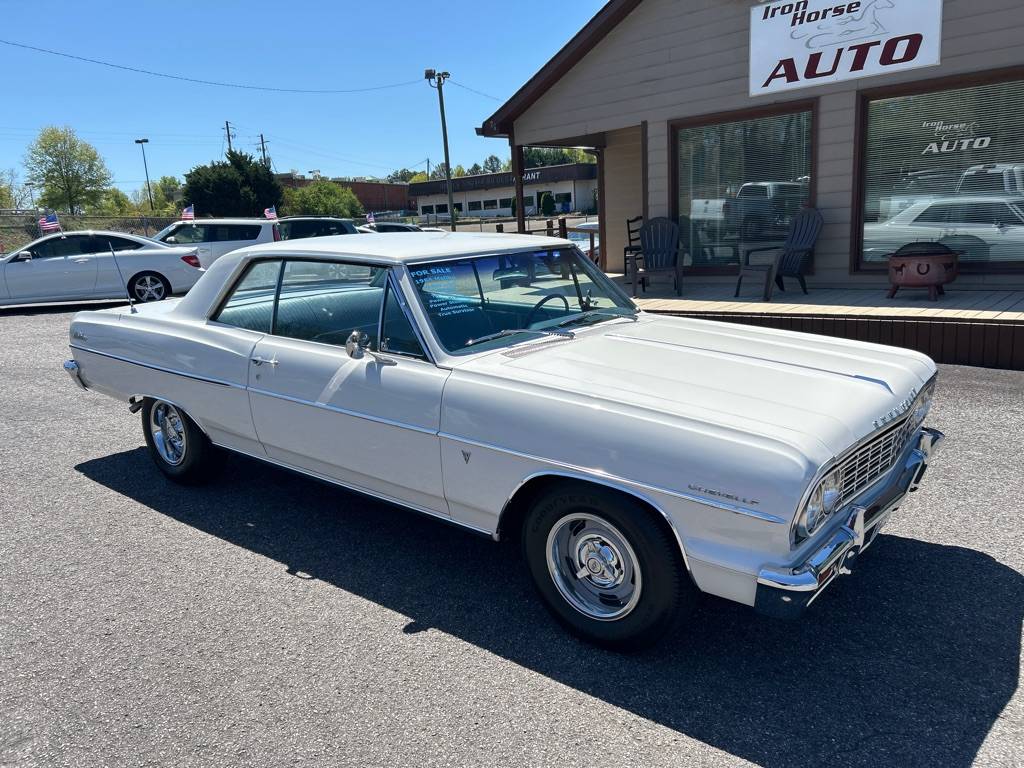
(142, 143)
(439, 77)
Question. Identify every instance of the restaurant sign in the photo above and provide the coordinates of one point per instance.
(802, 43)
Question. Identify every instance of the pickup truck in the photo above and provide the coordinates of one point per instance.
(761, 209)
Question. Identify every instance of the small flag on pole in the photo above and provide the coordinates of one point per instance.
(369, 218)
(49, 223)
(188, 214)
(271, 212)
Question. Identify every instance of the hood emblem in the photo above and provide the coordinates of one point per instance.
(895, 413)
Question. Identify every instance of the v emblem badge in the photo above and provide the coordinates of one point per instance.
(466, 455)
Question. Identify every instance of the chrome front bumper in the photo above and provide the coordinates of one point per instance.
(785, 591)
(75, 373)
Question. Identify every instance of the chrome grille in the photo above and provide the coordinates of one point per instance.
(869, 462)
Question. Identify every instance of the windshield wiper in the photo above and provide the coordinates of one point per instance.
(513, 331)
(631, 316)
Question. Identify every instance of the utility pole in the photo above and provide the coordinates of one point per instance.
(263, 149)
(149, 189)
(227, 131)
(433, 77)
(428, 168)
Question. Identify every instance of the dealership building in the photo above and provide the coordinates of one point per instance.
(900, 120)
(573, 187)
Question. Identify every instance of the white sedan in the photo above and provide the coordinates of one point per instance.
(504, 384)
(77, 266)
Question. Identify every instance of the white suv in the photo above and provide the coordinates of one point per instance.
(215, 237)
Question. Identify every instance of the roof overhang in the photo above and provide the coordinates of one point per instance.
(499, 125)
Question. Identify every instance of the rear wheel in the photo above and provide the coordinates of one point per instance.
(179, 448)
(149, 286)
(605, 567)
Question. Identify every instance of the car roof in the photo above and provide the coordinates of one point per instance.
(239, 220)
(313, 218)
(401, 248)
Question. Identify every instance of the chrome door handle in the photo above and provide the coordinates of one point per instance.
(81, 261)
(261, 360)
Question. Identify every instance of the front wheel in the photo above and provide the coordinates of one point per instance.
(149, 286)
(179, 448)
(605, 567)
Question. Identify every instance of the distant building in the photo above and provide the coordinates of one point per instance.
(573, 187)
(374, 195)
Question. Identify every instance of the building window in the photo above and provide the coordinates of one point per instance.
(505, 202)
(458, 207)
(946, 166)
(474, 205)
(739, 184)
(427, 209)
(490, 205)
(528, 201)
(441, 208)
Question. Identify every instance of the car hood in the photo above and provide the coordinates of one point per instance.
(816, 393)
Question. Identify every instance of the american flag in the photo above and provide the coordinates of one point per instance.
(188, 214)
(49, 223)
(271, 212)
(369, 218)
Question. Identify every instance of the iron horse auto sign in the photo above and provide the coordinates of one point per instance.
(811, 42)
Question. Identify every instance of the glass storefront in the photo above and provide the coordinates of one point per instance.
(740, 184)
(946, 167)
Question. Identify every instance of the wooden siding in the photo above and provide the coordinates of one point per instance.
(623, 196)
(674, 59)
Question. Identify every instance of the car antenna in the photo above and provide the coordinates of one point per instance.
(131, 301)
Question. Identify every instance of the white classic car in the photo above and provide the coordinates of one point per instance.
(77, 266)
(503, 383)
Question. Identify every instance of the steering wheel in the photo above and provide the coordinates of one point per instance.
(541, 303)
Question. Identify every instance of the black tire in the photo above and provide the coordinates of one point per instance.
(198, 459)
(666, 592)
(149, 286)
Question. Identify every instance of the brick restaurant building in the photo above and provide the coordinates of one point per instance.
(900, 120)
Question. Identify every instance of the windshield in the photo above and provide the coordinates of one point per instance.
(509, 298)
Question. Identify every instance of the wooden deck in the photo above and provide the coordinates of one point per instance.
(970, 327)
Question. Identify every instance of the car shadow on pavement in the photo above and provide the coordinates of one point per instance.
(27, 310)
(909, 661)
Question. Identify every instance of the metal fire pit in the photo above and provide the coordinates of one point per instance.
(923, 265)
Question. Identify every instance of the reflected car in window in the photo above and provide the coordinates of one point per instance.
(986, 228)
(505, 384)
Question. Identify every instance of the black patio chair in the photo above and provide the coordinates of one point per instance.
(632, 241)
(792, 258)
(659, 253)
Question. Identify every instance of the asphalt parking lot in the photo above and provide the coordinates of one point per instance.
(268, 619)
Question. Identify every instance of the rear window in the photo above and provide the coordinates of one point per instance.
(222, 233)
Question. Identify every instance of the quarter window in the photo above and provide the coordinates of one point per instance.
(251, 303)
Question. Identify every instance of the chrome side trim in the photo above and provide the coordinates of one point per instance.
(359, 489)
(591, 473)
(162, 369)
(344, 411)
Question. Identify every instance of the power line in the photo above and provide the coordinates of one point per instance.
(465, 88)
(217, 83)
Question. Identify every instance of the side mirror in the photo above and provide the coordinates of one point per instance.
(24, 256)
(171, 239)
(356, 344)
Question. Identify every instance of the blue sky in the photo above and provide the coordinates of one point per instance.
(490, 46)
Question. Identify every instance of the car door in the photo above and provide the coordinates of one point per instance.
(61, 267)
(191, 233)
(111, 274)
(369, 422)
(225, 238)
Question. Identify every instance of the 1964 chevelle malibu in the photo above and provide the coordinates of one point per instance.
(502, 383)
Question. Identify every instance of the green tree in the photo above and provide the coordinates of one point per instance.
(538, 157)
(492, 164)
(458, 171)
(7, 189)
(114, 202)
(322, 198)
(421, 176)
(69, 171)
(439, 171)
(474, 170)
(547, 204)
(238, 186)
(400, 176)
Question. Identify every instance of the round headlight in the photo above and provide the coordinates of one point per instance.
(820, 506)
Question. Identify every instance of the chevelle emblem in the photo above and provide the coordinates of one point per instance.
(721, 494)
(896, 412)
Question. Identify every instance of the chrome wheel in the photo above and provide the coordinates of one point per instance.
(593, 566)
(148, 288)
(168, 430)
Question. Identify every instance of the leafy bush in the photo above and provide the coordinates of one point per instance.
(547, 204)
(322, 198)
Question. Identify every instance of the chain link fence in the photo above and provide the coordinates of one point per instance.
(17, 230)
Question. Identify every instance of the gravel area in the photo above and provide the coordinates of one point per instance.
(267, 619)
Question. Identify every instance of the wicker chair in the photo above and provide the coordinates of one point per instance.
(792, 258)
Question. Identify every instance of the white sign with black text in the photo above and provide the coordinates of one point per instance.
(801, 43)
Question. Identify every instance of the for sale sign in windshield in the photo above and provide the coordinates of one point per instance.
(803, 43)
